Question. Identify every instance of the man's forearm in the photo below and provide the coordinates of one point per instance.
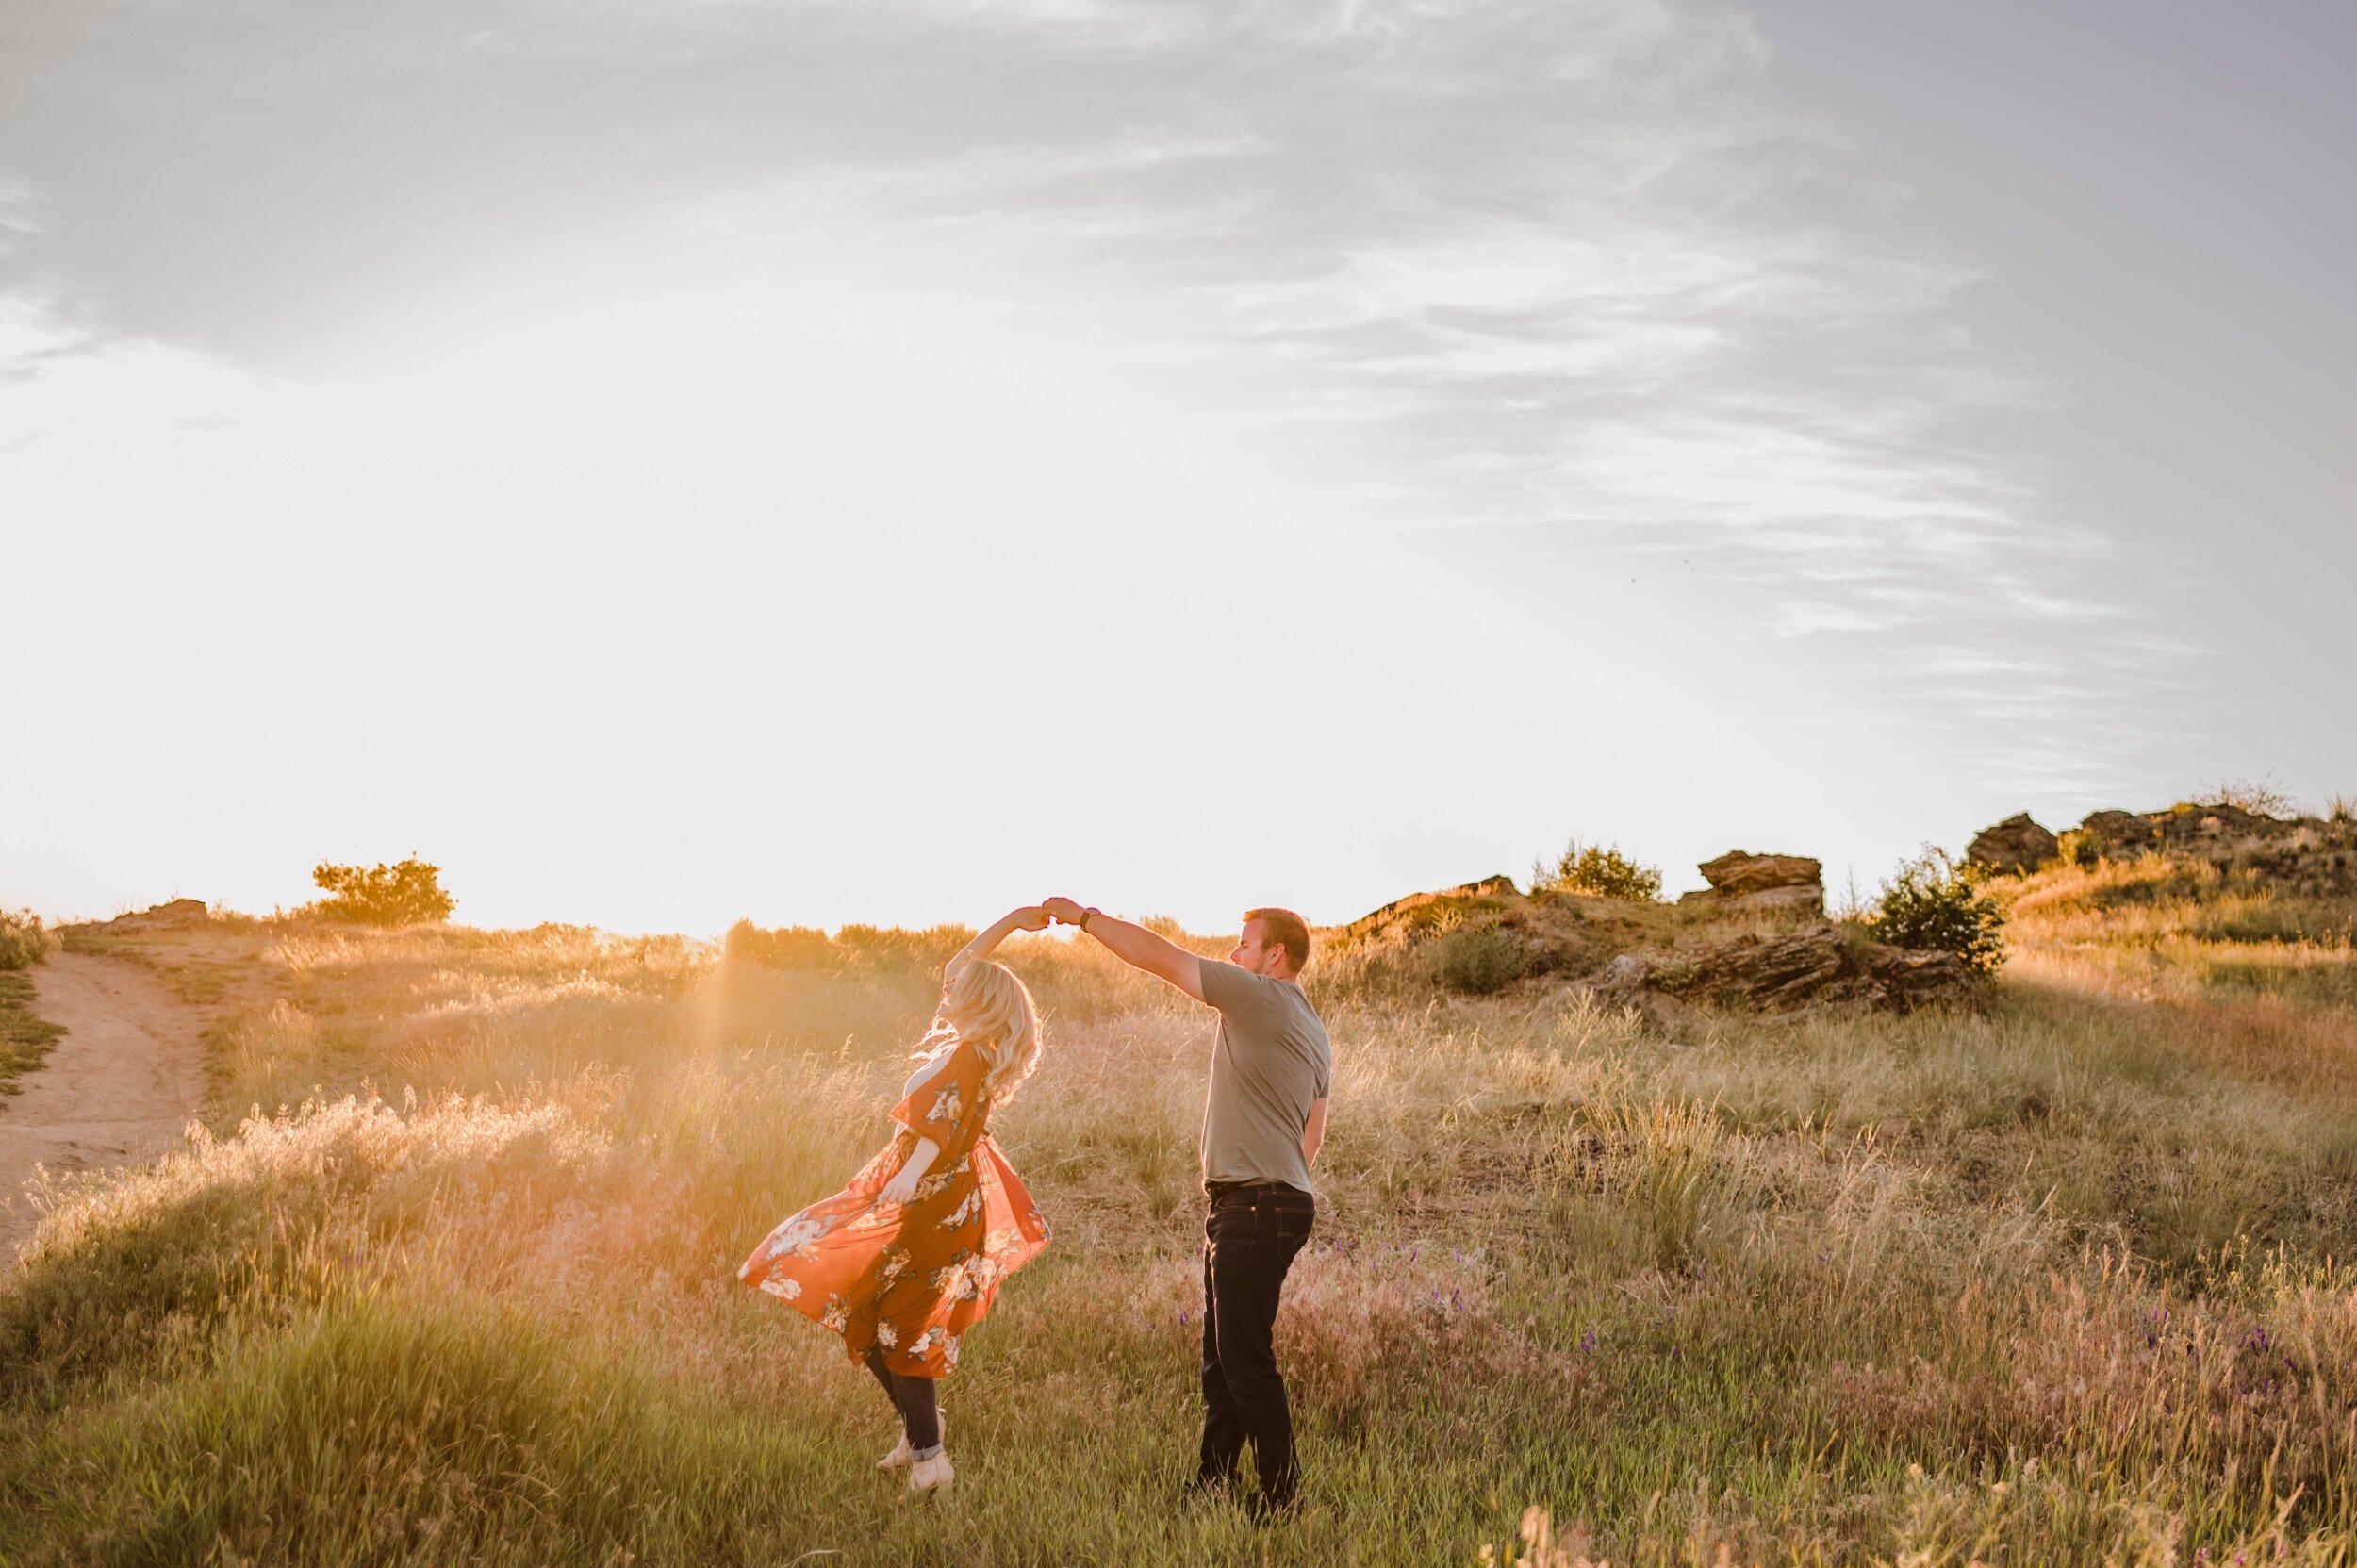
(1133, 945)
(1136, 945)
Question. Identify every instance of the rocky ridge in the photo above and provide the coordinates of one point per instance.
(2303, 856)
(1755, 941)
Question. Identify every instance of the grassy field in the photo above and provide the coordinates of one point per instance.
(451, 1280)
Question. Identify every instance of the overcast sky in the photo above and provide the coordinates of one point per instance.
(886, 460)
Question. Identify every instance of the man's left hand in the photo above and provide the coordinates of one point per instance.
(1063, 911)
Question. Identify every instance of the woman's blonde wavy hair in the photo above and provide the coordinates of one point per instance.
(989, 1009)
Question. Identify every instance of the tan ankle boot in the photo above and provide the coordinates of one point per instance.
(900, 1454)
(932, 1474)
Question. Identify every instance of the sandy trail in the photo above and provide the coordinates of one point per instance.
(118, 1088)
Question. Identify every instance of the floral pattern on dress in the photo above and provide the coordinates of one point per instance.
(911, 1281)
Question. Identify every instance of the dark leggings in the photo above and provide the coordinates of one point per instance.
(914, 1398)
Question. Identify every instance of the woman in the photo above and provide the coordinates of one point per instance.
(909, 1256)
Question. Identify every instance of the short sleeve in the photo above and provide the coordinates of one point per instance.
(948, 1107)
(1228, 987)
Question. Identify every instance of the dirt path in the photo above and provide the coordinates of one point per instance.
(119, 1087)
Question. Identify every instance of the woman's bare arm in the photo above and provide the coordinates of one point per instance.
(903, 1184)
(1029, 917)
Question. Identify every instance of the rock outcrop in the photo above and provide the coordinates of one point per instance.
(2013, 847)
(1740, 880)
(1666, 962)
(1815, 966)
(2203, 850)
(1555, 940)
(177, 912)
(2125, 834)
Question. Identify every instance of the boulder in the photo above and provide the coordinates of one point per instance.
(1818, 966)
(1740, 880)
(1626, 984)
(1739, 871)
(1903, 981)
(2115, 835)
(2013, 847)
(1794, 898)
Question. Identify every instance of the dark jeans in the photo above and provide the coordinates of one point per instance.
(1249, 1242)
(920, 1418)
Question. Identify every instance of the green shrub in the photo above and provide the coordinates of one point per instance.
(24, 940)
(1477, 960)
(1935, 904)
(407, 893)
(24, 1035)
(1600, 870)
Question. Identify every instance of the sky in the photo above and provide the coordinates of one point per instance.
(817, 461)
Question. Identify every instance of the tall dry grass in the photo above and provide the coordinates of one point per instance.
(449, 1277)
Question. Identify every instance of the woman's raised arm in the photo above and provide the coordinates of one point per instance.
(1029, 917)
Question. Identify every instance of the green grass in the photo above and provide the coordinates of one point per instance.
(24, 1035)
(2058, 1281)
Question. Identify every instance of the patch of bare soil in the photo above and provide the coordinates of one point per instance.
(118, 1088)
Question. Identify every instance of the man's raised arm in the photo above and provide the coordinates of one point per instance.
(1134, 945)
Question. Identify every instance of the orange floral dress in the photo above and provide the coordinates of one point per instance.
(911, 1281)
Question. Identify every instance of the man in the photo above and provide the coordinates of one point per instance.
(1263, 1118)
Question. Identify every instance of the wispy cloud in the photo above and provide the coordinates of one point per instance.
(65, 381)
(1567, 268)
(1571, 273)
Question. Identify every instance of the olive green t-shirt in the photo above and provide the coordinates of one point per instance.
(1271, 1064)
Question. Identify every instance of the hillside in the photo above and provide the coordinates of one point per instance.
(2045, 1271)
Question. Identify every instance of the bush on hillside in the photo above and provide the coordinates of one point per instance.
(1477, 960)
(2258, 796)
(24, 940)
(1935, 904)
(1600, 871)
(407, 893)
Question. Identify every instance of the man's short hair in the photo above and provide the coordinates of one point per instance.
(1287, 930)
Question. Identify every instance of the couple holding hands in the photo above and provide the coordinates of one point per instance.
(907, 1258)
